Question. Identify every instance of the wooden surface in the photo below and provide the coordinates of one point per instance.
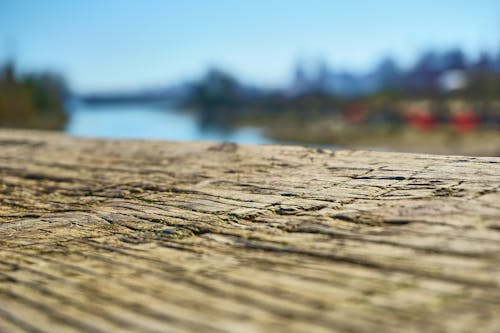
(105, 236)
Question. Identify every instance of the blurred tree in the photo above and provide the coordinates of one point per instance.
(484, 63)
(216, 89)
(388, 74)
(34, 101)
(453, 59)
(421, 79)
(7, 73)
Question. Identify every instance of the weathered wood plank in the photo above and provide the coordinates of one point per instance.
(104, 236)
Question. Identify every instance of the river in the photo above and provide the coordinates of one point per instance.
(137, 121)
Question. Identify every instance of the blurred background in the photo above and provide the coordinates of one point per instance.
(419, 76)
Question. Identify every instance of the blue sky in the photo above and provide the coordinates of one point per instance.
(122, 44)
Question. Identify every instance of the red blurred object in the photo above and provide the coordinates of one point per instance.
(465, 121)
(356, 114)
(421, 119)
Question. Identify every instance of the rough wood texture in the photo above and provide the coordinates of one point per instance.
(103, 236)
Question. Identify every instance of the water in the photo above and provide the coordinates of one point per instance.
(151, 122)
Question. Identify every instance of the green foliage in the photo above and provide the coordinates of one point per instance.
(33, 101)
(216, 89)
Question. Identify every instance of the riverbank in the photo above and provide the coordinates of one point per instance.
(441, 140)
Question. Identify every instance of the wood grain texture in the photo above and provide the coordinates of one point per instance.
(105, 236)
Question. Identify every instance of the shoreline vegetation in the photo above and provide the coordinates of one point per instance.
(34, 101)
